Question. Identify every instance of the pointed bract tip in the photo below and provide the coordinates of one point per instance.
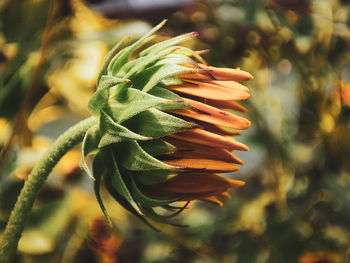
(137, 209)
(175, 101)
(204, 51)
(163, 22)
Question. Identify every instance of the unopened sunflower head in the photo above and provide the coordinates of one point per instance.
(163, 134)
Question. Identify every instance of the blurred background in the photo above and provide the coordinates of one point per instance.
(295, 206)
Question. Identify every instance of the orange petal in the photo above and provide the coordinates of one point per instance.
(216, 129)
(211, 199)
(224, 104)
(205, 164)
(209, 139)
(210, 91)
(196, 75)
(194, 151)
(198, 185)
(224, 195)
(228, 73)
(213, 115)
(229, 121)
(227, 84)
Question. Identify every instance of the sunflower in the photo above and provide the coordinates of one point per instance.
(164, 132)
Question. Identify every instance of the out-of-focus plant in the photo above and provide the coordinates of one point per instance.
(299, 53)
(146, 155)
(41, 56)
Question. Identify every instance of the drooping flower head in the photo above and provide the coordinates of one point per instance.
(163, 134)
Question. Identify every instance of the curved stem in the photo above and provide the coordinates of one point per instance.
(23, 206)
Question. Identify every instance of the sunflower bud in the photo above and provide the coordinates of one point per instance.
(163, 132)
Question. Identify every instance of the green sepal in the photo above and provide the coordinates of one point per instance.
(164, 93)
(147, 200)
(166, 44)
(98, 168)
(138, 64)
(153, 177)
(116, 180)
(179, 60)
(156, 124)
(126, 103)
(124, 202)
(100, 98)
(89, 146)
(113, 132)
(151, 76)
(108, 81)
(132, 157)
(171, 81)
(123, 56)
(157, 147)
(167, 94)
(190, 53)
(149, 212)
(108, 59)
(98, 101)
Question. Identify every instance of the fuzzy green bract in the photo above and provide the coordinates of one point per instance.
(130, 104)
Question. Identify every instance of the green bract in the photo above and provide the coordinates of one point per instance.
(130, 104)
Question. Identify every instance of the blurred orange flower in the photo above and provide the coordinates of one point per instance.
(318, 257)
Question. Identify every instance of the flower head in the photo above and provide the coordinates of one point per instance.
(164, 133)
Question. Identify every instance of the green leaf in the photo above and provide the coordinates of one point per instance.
(147, 200)
(149, 212)
(179, 60)
(108, 59)
(100, 98)
(89, 146)
(167, 94)
(190, 53)
(123, 56)
(108, 81)
(157, 147)
(154, 123)
(124, 202)
(171, 81)
(98, 101)
(153, 177)
(113, 132)
(125, 103)
(98, 168)
(138, 64)
(132, 157)
(167, 43)
(151, 76)
(164, 93)
(116, 180)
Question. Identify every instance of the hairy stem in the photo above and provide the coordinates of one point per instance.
(23, 206)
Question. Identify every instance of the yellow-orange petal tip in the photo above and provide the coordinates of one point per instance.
(236, 183)
(213, 200)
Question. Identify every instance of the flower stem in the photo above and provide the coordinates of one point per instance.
(23, 206)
